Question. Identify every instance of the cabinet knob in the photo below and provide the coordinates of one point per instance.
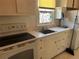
(63, 38)
(40, 47)
(55, 42)
(40, 57)
(58, 48)
(40, 40)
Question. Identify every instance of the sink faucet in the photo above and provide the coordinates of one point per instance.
(44, 28)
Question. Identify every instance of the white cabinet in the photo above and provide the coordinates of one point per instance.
(39, 49)
(61, 42)
(45, 48)
(49, 46)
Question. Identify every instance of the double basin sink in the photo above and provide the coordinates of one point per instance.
(47, 31)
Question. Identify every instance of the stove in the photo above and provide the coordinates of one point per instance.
(13, 33)
(11, 39)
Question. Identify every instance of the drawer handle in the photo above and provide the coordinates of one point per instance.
(40, 47)
(40, 40)
(40, 57)
(55, 42)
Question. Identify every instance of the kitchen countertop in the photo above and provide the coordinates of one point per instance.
(39, 35)
(56, 29)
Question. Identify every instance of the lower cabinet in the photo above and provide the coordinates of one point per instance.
(60, 42)
(52, 45)
(45, 48)
(39, 49)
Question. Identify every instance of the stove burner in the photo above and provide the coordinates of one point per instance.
(11, 39)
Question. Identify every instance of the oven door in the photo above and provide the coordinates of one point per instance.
(21, 51)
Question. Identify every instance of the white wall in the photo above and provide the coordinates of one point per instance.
(30, 20)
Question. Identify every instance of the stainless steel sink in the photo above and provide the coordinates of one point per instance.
(47, 31)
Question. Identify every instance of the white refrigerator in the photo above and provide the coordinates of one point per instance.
(70, 18)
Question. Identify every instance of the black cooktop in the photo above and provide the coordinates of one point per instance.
(11, 39)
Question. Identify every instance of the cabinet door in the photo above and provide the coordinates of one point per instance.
(50, 47)
(61, 45)
(7, 7)
(70, 3)
(39, 49)
(61, 42)
(66, 3)
(76, 4)
(26, 7)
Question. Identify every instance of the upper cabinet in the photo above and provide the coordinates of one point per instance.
(47, 3)
(26, 7)
(67, 3)
(17, 7)
(64, 3)
(7, 7)
(76, 4)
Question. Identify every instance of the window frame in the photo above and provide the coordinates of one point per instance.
(48, 23)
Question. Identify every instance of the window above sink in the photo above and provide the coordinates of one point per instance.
(46, 16)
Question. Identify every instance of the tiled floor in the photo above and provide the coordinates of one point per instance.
(65, 55)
